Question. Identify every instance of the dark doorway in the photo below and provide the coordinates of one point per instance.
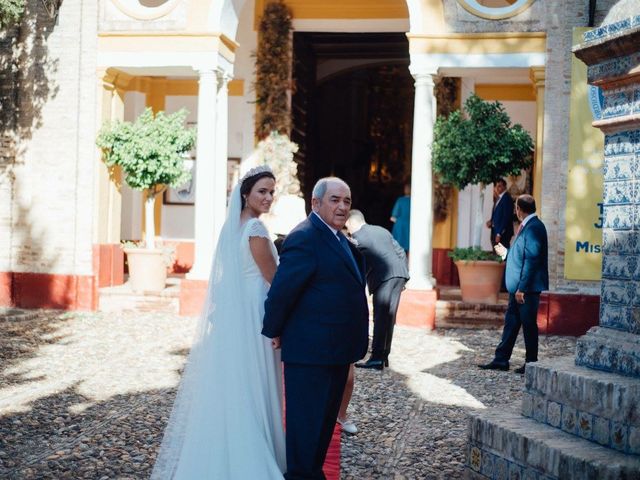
(352, 113)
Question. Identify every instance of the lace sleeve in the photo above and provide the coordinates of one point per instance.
(257, 229)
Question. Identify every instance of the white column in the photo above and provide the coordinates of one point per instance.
(222, 127)
(205, 221)
(420, 241)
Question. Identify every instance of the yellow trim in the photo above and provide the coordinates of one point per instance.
(537, 75)
(478, 43)
(167, 42)
(236, 88)
(340, 9)
(489, 16)
(108, 180)
(445, 233)
(506, 92)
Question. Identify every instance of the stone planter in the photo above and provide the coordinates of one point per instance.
(147, 269)
(480, 280)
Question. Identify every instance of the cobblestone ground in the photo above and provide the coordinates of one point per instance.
(87, 396)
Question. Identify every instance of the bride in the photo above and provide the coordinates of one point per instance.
(226, 422)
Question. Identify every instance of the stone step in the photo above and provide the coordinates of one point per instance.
(459, 314)
(16, 314)
(597, 406)
(504, 444)
(122, 299)
(609, 350)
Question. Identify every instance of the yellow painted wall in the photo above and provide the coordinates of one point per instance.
(342, 9)
(445, 233)
(520, 92)
(478, 43)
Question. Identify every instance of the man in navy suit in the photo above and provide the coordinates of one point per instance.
(526, 275)
(501, 223)
(316, 311)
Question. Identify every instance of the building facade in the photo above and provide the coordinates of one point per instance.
(63, 214)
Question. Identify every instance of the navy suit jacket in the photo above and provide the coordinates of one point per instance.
(527, 267)
(502, 220)
(317, 303)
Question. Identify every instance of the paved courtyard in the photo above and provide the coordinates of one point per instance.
(87, 396)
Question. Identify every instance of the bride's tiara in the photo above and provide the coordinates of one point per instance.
(255, 171)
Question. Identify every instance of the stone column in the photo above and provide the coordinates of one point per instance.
(420, 240)
(205, 203)
(109, 202)
(615, 345)
(537, 75)
(220, 186)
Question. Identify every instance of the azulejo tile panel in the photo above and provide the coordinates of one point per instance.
(618, 103)
(611, 29)
(623, 143)
(636, 100)
(614, 316)
(617, 292)
(620, 192)
(619, 266)
(619, 217)
(620, 241)
(612, 68)
(619, 168)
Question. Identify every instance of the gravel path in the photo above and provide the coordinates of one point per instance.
(87, 396)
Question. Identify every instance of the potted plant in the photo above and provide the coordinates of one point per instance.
(151, 153)
(478, 148)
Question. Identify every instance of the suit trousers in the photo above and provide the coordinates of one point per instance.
(313, 394)
(517, 315)
(386, 299)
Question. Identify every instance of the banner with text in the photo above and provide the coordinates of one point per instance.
(583, 213)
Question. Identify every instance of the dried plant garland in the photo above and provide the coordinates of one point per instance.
(273, 71)
(447, 92)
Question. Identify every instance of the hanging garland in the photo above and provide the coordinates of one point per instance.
(447, 92)
(273, 71)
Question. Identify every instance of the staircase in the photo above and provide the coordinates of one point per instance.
(122, 299)
(574, 423)
(452, 312)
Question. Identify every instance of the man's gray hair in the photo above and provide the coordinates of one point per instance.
(357, 215)
(321, 185)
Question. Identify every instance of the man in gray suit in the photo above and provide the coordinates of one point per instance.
(387, 273)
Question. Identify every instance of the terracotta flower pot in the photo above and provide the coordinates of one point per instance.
(147, 269)
(480, 280)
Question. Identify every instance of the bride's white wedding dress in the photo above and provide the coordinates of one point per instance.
(227, 419)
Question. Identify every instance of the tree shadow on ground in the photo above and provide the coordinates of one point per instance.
(21, 335)
(60, 438)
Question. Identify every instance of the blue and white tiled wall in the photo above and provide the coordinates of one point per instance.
(620, 297)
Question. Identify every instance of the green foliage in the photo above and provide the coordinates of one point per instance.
(472, 254)
(11, 12)
(273, 71)
(150, 150)
(481, 148)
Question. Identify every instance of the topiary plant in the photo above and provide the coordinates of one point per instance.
(479, 148)
(11, 12)
(151, 153)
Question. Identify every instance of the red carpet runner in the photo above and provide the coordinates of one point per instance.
(332, 462)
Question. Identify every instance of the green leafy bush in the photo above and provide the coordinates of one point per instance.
(473, 254)
(11, 12)
(151, 152)
(480, 148)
